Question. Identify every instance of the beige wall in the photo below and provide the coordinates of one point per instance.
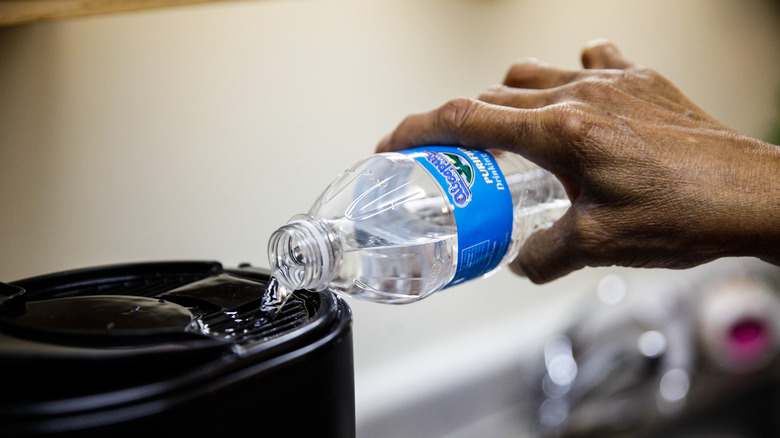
(194, 132)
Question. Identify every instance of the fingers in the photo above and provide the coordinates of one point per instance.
(518, 98)
(603, 54)
(534, 84)
(534, 74)
(538, 105)
(529, 84)
(479, 125)
(460, 121)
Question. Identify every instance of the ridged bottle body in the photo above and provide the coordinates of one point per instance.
(387, 229)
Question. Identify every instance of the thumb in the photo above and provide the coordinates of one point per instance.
(547, 254)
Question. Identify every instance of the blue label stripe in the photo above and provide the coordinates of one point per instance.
(481, 203)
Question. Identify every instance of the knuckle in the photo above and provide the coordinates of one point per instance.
(588, 241)
(651, 79)
(571, 118)
(636, 79)
(598, 49)
(493, 93)
(522, 70)
(453, 115)
(643, 72)
(598, 89)
(599, 45)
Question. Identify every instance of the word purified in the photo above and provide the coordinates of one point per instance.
(486, 170)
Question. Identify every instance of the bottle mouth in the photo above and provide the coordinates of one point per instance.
(301, 254)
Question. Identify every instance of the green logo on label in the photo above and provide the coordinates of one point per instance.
(462, 166)
(445, 163)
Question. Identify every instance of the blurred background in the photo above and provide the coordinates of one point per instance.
(193, 132)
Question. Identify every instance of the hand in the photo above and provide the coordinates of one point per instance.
(654, 181)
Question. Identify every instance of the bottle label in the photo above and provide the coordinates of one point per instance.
(481, 202)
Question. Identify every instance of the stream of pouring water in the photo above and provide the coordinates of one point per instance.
(276, 294)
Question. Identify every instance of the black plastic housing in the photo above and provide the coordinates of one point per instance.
(180, 348)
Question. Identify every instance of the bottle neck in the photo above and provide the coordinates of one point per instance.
(304, 254)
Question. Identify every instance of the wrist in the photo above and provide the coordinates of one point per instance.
(756, 212)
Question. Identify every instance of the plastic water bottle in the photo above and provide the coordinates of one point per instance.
(397, 227)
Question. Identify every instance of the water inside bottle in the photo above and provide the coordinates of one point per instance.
(385, 230)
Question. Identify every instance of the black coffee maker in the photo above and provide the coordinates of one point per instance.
(181, 348)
